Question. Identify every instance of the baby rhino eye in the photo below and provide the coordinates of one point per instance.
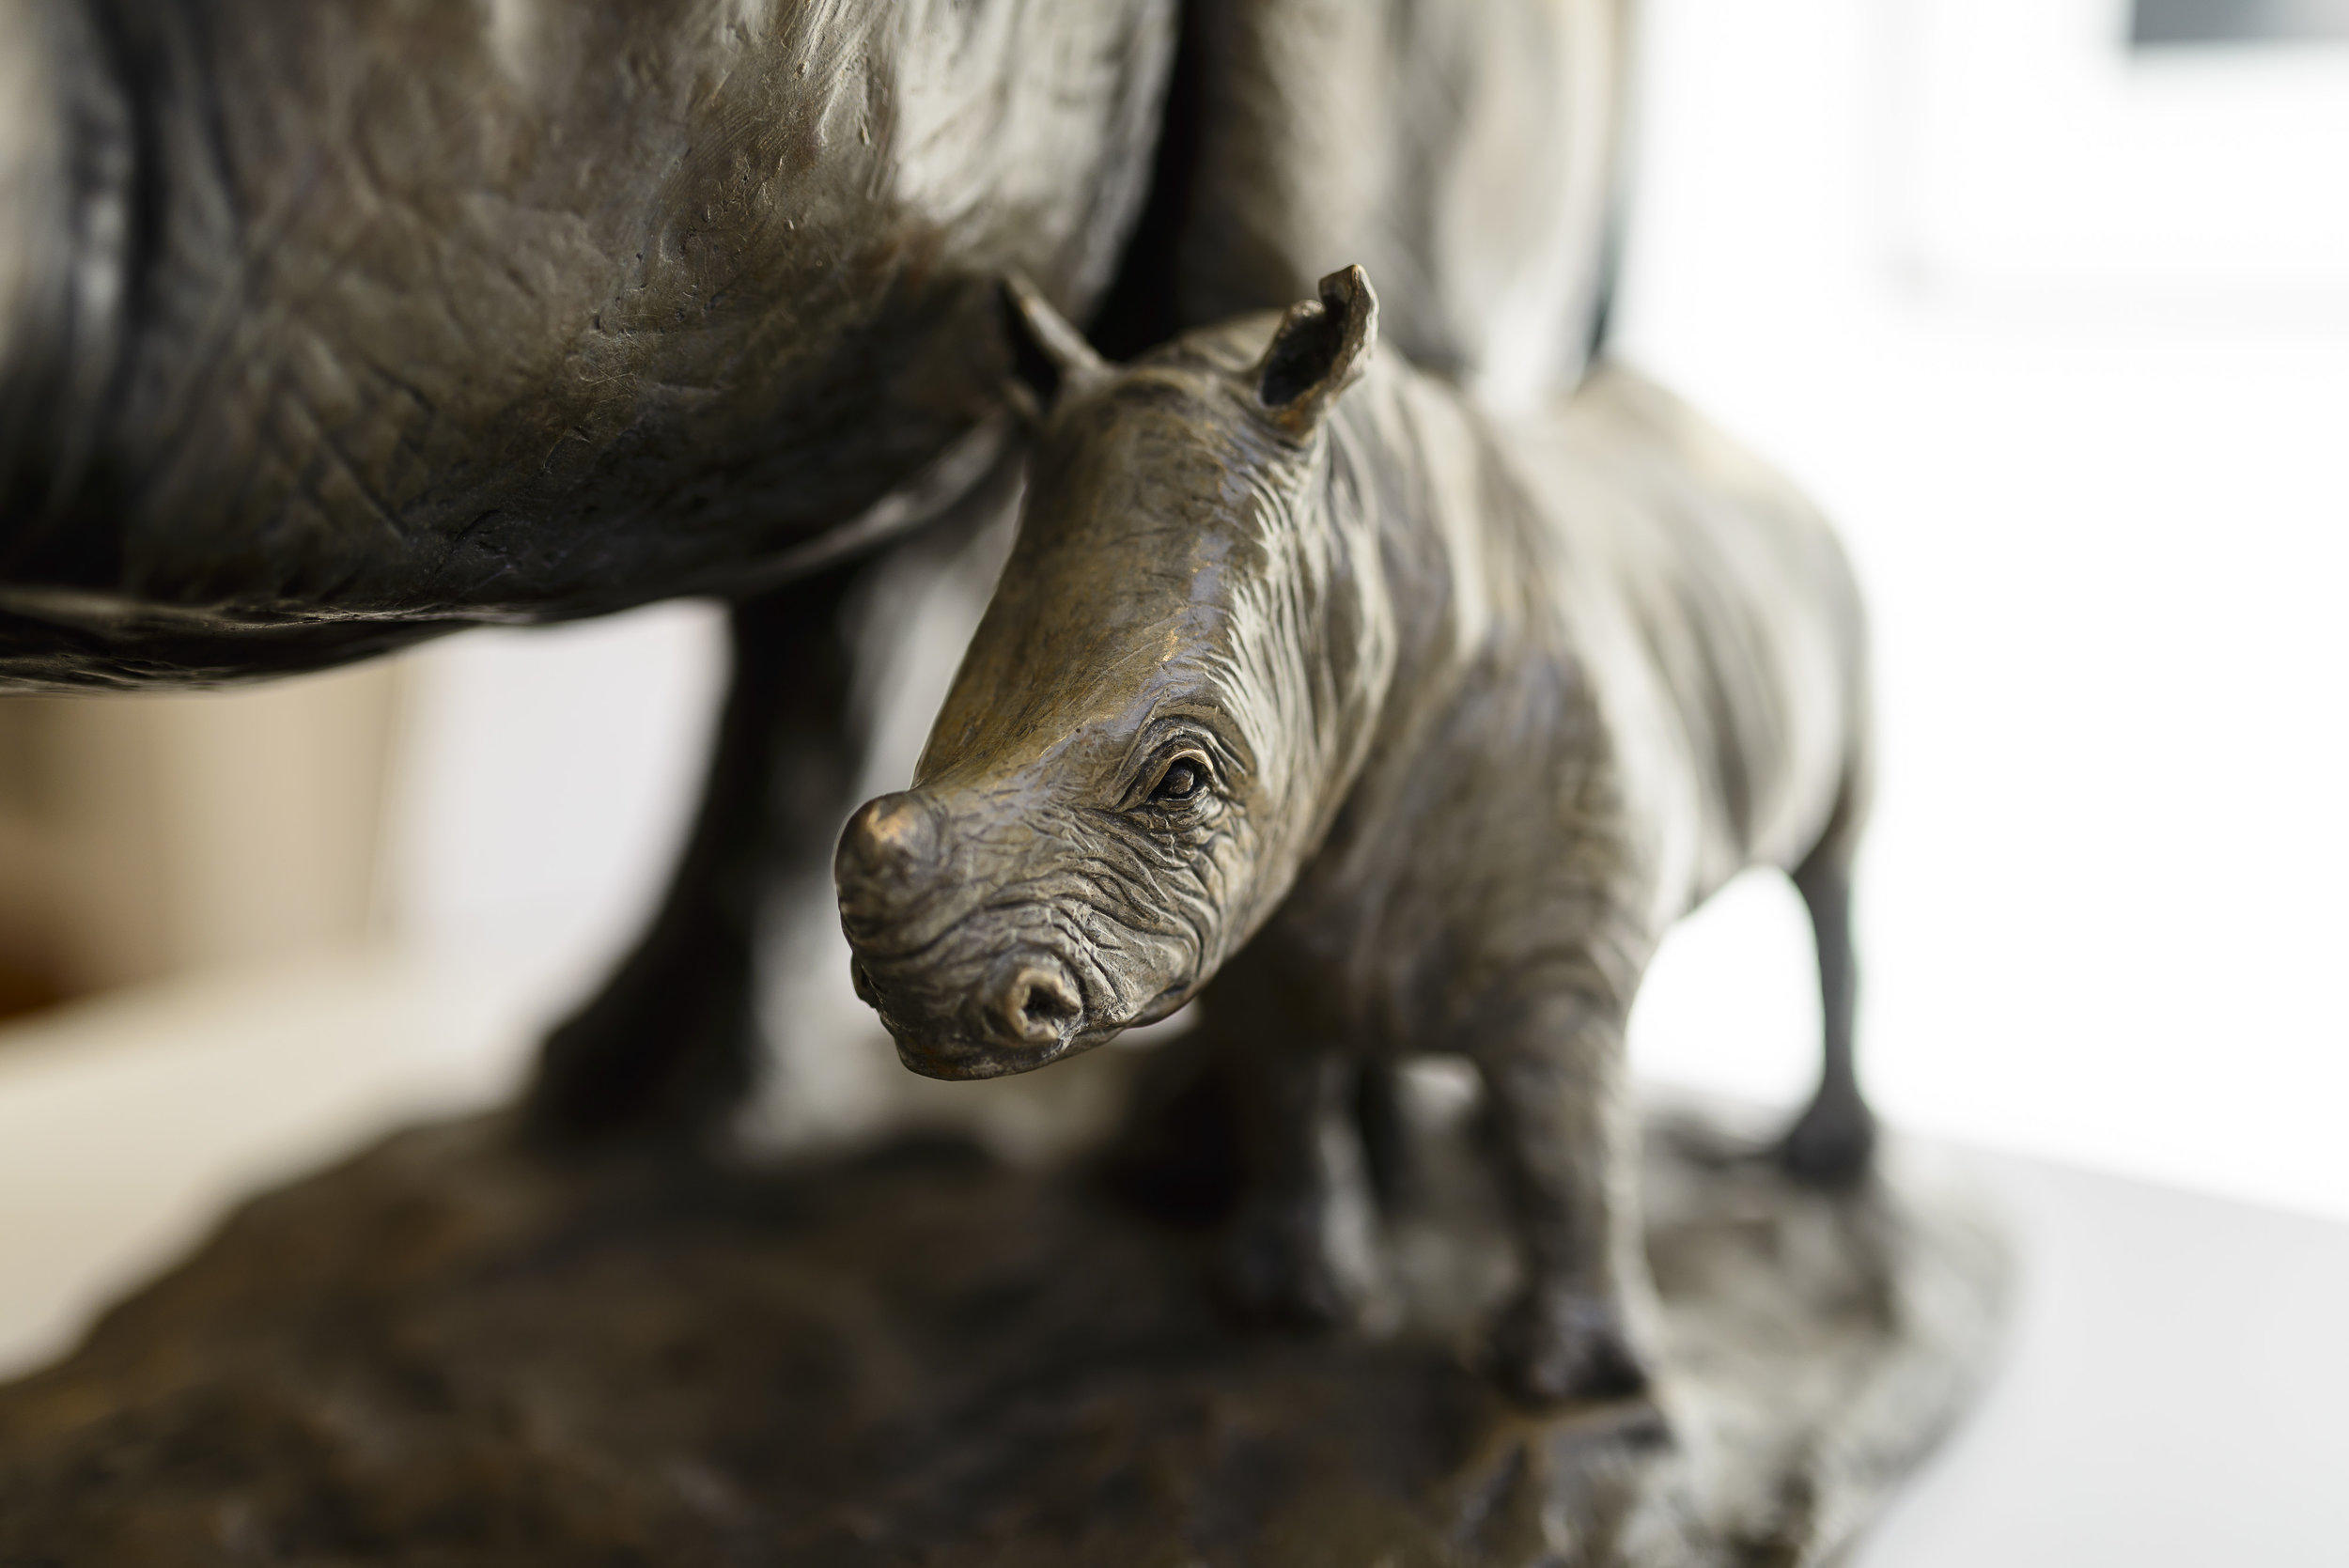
(1182, 780)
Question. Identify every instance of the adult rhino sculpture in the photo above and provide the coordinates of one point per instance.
(332, 324)
(327, 328)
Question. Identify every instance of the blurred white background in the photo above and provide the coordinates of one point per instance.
(2058, 332)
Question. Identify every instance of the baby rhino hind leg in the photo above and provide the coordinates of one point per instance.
(1833, 1143)
(1568, 1148)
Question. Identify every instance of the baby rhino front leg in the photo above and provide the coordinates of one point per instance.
(1568, 1151)
(1299, 1250)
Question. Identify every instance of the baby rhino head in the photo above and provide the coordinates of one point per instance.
(998, 928)
(1158, 714)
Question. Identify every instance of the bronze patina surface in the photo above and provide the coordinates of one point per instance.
(450, 1353)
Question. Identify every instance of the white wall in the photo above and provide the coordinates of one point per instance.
(2103, 519)
(543, 785)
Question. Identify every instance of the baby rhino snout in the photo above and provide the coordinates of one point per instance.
(965, 991)
(887, 860)
(1029, 1000)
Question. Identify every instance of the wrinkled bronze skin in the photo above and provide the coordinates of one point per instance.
(1409, 728)
(324, 325)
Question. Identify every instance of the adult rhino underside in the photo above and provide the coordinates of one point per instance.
(325, 327)
(321, 324)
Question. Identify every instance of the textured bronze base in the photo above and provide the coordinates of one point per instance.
(449, 1352)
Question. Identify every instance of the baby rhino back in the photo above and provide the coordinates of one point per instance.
(1717, 624)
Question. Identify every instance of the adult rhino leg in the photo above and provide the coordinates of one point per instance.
(1568, 1148)
(671, 1044)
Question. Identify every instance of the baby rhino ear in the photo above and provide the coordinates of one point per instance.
(1047, 355)
(1323, 348)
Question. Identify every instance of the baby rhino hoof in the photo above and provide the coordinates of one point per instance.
(1559, 1350)
(1281, 1269)
(1832, 1144)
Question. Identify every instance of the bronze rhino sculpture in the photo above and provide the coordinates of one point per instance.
(324, 328)
(1384, 725)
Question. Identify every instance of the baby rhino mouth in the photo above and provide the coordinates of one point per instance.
(1017, 1013)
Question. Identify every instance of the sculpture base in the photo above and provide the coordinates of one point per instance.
(447, 1352)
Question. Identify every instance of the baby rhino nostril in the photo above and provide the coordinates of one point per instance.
(1038, 1003)
(1045, 1004)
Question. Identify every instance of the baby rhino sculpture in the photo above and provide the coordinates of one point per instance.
(1407, 728)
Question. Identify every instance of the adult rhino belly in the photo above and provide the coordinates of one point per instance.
(336, 324)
